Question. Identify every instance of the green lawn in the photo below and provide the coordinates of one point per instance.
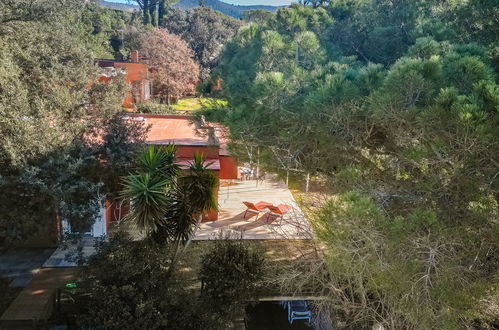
(196, 103)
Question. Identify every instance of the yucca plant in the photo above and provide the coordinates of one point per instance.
(147, 191)
(168, 204)
(159, 161)
(148, 200)
(199, 184)
(199, 187)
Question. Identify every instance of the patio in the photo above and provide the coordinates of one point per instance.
(231, 223)
(66, 254)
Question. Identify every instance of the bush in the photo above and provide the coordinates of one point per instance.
(231, 273)
(155, 108)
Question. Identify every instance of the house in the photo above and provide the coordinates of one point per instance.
(190, 137)
(137, 76)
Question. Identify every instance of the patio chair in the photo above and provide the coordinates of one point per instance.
(278, 211)
(299, 310)
(256, 208)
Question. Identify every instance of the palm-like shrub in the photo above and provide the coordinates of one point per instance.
(159, 161)
(147, 189)
(198, 185)
(148, 200)
(165, 203)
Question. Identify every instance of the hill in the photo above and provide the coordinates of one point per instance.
(226, 8)
(117, 5)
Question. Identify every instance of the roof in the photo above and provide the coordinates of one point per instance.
(177, 129)
(222, 133)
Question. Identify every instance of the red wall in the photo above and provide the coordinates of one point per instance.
(113, 212)
(136, 73)
(228, 168)
(189, 151)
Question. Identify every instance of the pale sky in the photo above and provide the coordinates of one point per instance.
(259, 2)
(242, 2)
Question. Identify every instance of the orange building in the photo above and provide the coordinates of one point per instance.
(190, 137)
(137, 76)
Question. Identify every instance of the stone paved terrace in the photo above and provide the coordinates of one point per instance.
(293, 225)
(20, 264)
(231, 223)
(36, 301)
(64, 255)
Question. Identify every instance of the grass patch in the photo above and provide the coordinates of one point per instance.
(197, 103)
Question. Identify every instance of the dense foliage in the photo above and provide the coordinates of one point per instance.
(226, 8)
(396, 104)
(51, 106)
(173, 70)
(127, 285)
(205, 31)
(231, 271)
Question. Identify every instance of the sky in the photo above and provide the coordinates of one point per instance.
(258, 2)
(244, 2)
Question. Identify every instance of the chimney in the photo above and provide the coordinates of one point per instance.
(134, 56)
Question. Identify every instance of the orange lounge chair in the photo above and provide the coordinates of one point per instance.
(256, 208)
(278, 211)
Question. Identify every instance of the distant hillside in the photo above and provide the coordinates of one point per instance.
(118, 6)
(227, 9)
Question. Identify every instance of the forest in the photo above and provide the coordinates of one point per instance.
(393, 107)
(389, 107)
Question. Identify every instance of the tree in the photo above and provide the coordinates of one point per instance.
(407, 146)
(51, 103)
(166, 204)
(147, 190)
(154, 11)
(231, 274)
(35, 10)
(174, 72)
(205, 31)
(259, 16)
(126, 285)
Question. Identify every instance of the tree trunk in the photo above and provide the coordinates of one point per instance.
(198, 223)
(162, 10)
(145, 11)
(152, 12)
(177, 246)
(175, 257)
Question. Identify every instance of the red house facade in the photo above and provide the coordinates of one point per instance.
(190, 137)
(137, 76)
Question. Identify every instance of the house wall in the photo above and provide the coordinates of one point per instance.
(115, 212)
(135, 71)
(136, 76)
(228, 168)
(190, 151)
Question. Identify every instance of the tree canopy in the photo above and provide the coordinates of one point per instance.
(173, 70)
(52, 104)
(395, 104)
(205, 31)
